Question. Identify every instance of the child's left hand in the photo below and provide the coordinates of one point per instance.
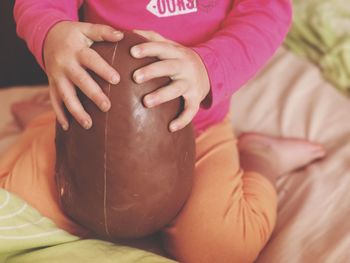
(185, 68)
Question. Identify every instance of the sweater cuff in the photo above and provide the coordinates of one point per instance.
(215, 74)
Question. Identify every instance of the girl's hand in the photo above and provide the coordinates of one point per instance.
(67, 56)
(182, 65)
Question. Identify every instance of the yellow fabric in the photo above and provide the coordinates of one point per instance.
(228, 218)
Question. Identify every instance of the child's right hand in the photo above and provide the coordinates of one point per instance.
(67, 56)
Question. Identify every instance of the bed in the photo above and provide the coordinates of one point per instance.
(289, 98)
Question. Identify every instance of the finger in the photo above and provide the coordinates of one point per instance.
(185, 117)
(91, 60)
(97, 32)
(66, 91)
(162, 50)
(150, 35)
(167, 93)
(164, 68)
(89, 87)
(58, 107)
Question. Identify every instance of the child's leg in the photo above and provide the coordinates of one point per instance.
(27, 170)
(12, 154)
(231, 213)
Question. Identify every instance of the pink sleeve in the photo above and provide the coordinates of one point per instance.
(35, 18)
(248, 37)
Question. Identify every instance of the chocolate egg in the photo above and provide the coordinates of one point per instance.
(128, 176)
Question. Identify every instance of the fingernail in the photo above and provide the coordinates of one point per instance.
(139, 77)
(65, 126)
(87, 124)
(135, 52)
(105, 106)
(173, 127)
(118, 34)
(115, 79)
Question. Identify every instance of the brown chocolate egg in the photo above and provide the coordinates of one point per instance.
(128, 176)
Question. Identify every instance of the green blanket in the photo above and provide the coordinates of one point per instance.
(28, 237)
(321, 32)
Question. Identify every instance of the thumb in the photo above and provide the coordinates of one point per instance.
(97, 32)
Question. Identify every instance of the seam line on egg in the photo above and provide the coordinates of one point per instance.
(105, 153)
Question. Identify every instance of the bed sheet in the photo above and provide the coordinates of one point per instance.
(288, 98)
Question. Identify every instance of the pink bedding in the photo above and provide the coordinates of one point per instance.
(290, 98)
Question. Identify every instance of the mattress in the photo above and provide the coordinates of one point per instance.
(288, 98)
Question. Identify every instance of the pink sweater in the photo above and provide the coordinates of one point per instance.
(234, 38)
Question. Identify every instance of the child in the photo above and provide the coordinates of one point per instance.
(209, 49)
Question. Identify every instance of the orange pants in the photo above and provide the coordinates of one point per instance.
(229, 216)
